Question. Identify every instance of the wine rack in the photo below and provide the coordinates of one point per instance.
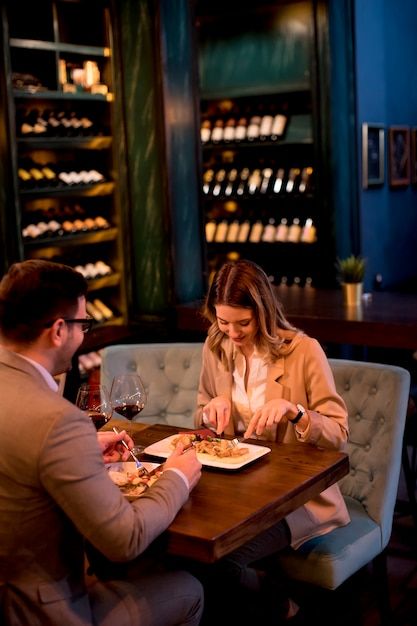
(265, 140)
(61, 120)
(258, 183)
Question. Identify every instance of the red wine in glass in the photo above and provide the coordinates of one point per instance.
(94, 400)
(129, 410)
(98, 419)
(128, 399)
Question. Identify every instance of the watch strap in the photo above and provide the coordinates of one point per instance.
(301, 412)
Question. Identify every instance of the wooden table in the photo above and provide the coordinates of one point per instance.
(229, 507)
(385, 320)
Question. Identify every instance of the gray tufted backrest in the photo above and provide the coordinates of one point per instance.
(376, 396)
(170, 372)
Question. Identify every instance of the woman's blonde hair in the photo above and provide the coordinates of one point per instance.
(244, 284)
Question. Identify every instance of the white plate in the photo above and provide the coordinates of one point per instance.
(124, 467)
(163, 448)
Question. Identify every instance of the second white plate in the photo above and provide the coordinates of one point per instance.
(163, 448)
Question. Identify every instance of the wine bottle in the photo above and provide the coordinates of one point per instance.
(104, 309)
(243, 179)
(208, 177)
(254, 181)
(243, 231)
(25, 178)
(231, 182)
(210, 230)
(278, 127)
(265, 128)
(266, 179)
(205, 131)
(305, 182)
(294, 231)
(217, 132)
(219, 180)
(65, 123)
(253, 128)
(102, 268)
(308, 233)
(50, 175)
(256, 232)
(87, 125)
(241, 129)
(229, 130)
(292, 177)
(233, 232)
(101, 222)
(279, 179)
(270, 231)
(221, 231)
(38, 178)
(282, 231)
(54, 128)
(94, 312)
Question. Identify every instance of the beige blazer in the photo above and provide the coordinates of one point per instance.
(54, 492)
(302, 375)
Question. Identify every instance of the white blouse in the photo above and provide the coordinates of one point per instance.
(246, 401)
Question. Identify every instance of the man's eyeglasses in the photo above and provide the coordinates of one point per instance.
(86, 323)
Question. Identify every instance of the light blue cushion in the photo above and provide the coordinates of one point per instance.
(170, 373)
(329, 560)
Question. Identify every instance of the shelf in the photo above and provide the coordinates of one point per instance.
(100, 189)
(112, 280)
(36, 44)
(65, 143)
(98, 236)
(251, 244)
(258, 91)
(256, 145)
(60, 95)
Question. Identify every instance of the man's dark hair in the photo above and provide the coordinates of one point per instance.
(34, 293)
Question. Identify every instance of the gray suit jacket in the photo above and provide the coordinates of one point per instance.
(55, 491)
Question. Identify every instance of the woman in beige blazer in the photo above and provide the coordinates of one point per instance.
(262, 377)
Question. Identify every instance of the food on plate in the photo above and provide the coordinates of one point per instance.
(212, 447)
(131, 483)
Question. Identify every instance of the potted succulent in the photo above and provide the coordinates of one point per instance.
(351, 272)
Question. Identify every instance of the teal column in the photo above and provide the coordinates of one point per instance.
(182, 132)
(345, 166)
(141, 149)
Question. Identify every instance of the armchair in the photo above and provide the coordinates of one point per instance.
(376, 396)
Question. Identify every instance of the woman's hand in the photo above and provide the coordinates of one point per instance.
(112, 448)
(271, 413)
(217, 412)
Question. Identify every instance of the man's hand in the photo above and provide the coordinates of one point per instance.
(186, 461)
(112, 448)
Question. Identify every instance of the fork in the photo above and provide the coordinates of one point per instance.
(142, 469)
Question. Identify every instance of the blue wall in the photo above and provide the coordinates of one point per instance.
(386, 90)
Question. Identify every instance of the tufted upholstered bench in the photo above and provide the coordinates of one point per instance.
(170, 373)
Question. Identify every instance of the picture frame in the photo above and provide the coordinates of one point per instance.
(399, 156)
(413, 155)
(373, 155)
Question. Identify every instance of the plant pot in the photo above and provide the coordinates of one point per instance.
(352, 293)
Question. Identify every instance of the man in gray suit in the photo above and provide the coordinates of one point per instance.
(54, 489)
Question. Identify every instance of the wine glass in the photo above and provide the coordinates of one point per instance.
(128, 398)
(94, 400)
